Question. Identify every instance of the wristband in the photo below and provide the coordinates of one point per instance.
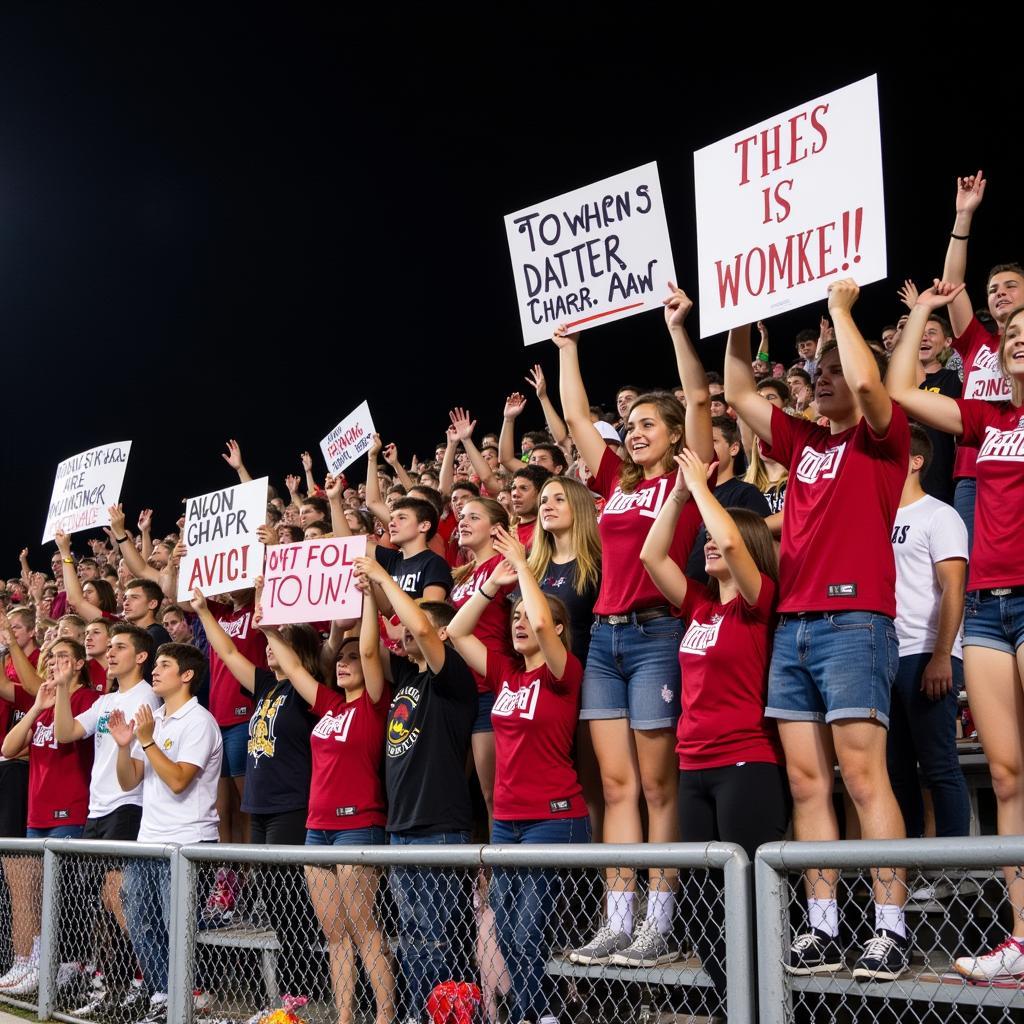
(121, 540)
(151, 743)
(959, 238)
(68, 561)
(483, 593)
(763, 356)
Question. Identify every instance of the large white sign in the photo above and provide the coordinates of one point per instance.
(223, 552)
(349, 439)
(86, 485)
(789, 205)
(590, 256)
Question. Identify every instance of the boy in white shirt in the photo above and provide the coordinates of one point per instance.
(175, 753)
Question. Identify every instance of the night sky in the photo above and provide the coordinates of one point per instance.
(216, 226)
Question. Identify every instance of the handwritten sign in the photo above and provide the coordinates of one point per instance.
(789, 205)
(312, 581)
(349, 439)
(223, 552)
(588, 257)
(85, 486)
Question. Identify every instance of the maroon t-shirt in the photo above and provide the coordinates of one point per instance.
(347, 743)
(229, 705)
(996, 432)
(494, 628)
(534, 719)
(11, 714)
(841, 501)
(983, 380)
(724, 657)
(625, 522)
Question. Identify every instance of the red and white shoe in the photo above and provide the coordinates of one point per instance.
(1004, 963)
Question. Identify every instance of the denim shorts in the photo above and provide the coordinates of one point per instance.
(833, 667)
(994, 622)
(236, 746)
(57, 832)
(372, 836)
(484, 703)
(542, 830)
(633, 672)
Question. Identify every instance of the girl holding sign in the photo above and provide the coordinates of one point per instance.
(994, 616)
(346, 802)
(631, 686)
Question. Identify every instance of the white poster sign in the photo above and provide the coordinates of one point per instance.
(85, 486)
(349, 439)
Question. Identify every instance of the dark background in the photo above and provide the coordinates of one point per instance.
(218, 225)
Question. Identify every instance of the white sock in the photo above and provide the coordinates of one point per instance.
(660, 907)
(891, 919)
(620, 912)
(823, 916)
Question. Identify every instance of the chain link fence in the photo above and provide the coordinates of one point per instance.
(474, 935)
(956, 909)
(21, 910)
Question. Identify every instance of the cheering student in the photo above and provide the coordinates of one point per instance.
(346, 803)
(835, 652)
(994, 621)
(480, 523)
(631, 685)
(537, 795)
(732, 786)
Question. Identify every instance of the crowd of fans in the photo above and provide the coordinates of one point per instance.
(663, 622)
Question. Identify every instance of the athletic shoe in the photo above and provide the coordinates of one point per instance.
(18, 968)
(220, 904)
(157, 1013)
(937, 890)
(649, 948)
(601, 947)
(1004, 963)
(201, 998)
(28, 982)
(886, 956)
(814, 952)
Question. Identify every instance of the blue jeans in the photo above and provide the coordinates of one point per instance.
(431, 903)
(146, 892)
(964, 494)
(57, 832)
(923, 730)
(524, 903)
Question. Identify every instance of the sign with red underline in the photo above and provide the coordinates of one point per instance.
(587, 257)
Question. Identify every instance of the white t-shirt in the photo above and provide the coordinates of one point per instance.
(105, 795)
(925, 532)
(190, 735)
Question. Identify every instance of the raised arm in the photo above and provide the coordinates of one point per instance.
(333, 490)
(374, 674)
(307, 470)
(374, 500)
(66, 729)
(146, 533)
(27, 675)
(514, 405)
(575, 404)
(233, 457)
(238, 664)
(969, 193)
(932, 409)
(446, 475)
(129, 771)
(464, 427)
(741, 388)
(666, 573)
(18, 735)
(412, 616)
(721, 527)
(691, 375)
(304, 684)
(556, 425)
(460, 629)
(391, 458)
(858, 362)
(72, 584)
(126, 547)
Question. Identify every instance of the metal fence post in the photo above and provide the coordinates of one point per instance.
(773, 994)
(47, 936)
(180, 964)
(740, 967)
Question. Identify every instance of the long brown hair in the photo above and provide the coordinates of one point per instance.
(1015, 385)
(559, 616)
(498, 516)
(672, 414)
(586, 542)
(758, 540)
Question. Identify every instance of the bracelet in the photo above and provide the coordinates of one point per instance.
(121, 540)
(483, 593)
(68, 561)
(151, 743)
(959, 238)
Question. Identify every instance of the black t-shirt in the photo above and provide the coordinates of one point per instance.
(560, 581)
(278, 763)
(415, 574)
(776, 497)
(430, 723)
(160, 636)
(937, 479)
(734, 493)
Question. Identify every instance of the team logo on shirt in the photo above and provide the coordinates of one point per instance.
(167, 743)
(468, 587)
(262, 740)
(335, 727)
(986, 380)
(410, 582)
(1003, 445)
(814, 465)
(43, 736)
(648, 501)
(237, 629)
(400, 736)
(700, 636)
(522, 701)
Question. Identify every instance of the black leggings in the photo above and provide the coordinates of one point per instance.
(747, 804)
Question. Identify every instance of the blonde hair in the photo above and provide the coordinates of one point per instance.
(757, 472)
(586, 542)
(673, 415)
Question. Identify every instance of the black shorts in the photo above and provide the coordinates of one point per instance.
(13, 799)
(122, 823)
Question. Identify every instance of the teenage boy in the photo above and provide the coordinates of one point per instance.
(114, 813)
(929, 541)
(429, 726)
(175, 753)
(835, 654)
(416, 569)
(525, 491)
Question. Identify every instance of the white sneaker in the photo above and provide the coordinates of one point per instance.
(1004, 963)
(600, 948)
(28, 982)
(18, 968)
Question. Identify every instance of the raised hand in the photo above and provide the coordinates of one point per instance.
(693, 474)
(293, 483)
(375, 447)
(371, 569)
(307, 461)
(332, 487)
(941, 293)
(677, 306)
(63, 542)
(462, 424)
(842, 294)
(969, 192)
(908, 293)
(507, 545)
(504, 574)
(144, 723)
(233, 456)
(825, 332)
(116, 515)
(145, 519)
(267, 535)
(763, 332)
(391, 454)
(514, 405)
(562, 338)
(122, 731)
(535, 378)
(198, 600)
